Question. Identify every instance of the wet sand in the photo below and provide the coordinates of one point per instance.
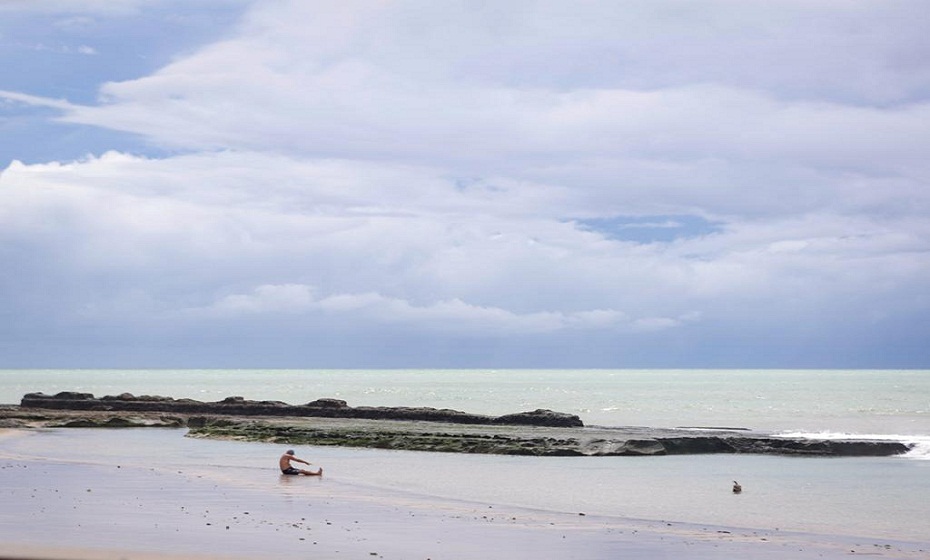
(65, 509)
(75, 511)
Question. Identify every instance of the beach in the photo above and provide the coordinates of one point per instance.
(66, 494)
(153, 492)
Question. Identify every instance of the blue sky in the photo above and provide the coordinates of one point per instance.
(701, 183)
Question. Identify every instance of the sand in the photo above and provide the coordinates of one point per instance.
(67, 510)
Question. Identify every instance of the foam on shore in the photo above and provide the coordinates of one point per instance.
(920, 445)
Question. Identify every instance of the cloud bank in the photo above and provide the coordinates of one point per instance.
(371, 184)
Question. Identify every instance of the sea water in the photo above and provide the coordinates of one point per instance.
(857, 401)
(884, 497)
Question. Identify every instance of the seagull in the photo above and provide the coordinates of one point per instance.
(737, 488)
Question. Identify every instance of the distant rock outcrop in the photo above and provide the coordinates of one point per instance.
(321, 408)
(540, 417)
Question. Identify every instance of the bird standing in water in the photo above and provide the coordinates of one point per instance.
(737, 488)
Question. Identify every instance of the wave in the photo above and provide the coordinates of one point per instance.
(920, 445)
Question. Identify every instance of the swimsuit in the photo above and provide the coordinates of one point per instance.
(290, 470)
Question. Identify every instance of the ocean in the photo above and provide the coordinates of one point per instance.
(882, 498)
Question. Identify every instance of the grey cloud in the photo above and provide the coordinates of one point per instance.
(416, 179)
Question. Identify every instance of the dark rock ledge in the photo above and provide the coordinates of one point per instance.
(322, 408)
(332, 422)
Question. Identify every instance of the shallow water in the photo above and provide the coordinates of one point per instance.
(874, 497)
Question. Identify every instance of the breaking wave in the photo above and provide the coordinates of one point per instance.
(920, 445)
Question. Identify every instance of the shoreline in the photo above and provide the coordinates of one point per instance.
(159, 514)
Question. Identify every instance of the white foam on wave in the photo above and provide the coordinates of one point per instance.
(920, 445)
(921, 450)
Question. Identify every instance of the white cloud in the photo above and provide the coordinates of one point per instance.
(418, 245)
(331, 91)
(450, 316)
(421, 167)
(12, 96)
(290, 298)
(64, 49)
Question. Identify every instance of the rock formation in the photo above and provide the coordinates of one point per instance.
(333, 422)
(322, 408)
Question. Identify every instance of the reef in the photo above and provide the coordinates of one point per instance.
(332, 422)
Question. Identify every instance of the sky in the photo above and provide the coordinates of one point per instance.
(464, 184)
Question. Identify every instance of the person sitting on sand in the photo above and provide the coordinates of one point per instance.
(286, 468)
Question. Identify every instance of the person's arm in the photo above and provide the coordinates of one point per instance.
(299, 460)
